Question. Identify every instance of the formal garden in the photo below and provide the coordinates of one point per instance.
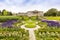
(50, 30)
(10, 28)
(30, 28)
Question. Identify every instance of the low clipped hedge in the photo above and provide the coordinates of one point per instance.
(42, 24)
(34, 18)
(25, 18)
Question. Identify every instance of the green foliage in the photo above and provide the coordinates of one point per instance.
(20, 18)
(48, 33)
(4, 12)
(9, 13)
(0, 13)
(18, 24)
(13, 34)
(58, 14)
(34, 18)
(51, 12)
(30, 24)
(25, 18)
(53, 18)
(5, 18)
(42, 24)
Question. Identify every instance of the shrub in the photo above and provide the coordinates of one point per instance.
(5, 18)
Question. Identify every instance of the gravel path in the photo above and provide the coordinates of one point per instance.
(31, 35)
(31, 31)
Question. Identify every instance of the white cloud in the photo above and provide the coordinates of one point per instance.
(24, 5)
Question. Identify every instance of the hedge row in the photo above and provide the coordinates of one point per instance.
(5, 18)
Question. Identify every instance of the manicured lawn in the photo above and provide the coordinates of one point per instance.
(53, 18)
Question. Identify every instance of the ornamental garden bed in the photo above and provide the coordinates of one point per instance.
(30, 24)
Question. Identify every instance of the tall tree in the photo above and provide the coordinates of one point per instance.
(4, 12)
(58, 14)
(9, 13)
(0, 13)
(51, 12)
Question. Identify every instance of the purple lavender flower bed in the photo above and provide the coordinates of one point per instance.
(8, 23)
(52, 23)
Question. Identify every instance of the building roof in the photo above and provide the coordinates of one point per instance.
(35, 11)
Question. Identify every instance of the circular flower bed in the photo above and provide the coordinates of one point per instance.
(30, 24)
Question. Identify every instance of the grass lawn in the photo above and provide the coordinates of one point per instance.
(30, 24)
(53, 18)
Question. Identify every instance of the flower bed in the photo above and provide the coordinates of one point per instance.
(51, 33)
(30, 24)
(13, 34)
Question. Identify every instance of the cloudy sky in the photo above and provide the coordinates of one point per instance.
(27, 5)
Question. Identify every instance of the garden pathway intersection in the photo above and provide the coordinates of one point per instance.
(31, 31)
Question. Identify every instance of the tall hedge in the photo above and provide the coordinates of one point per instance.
(5, 18)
